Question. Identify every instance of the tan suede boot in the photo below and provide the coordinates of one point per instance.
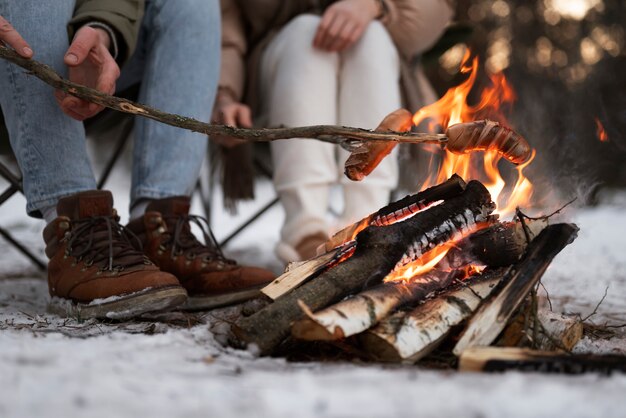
(210, 278)
(94, 270)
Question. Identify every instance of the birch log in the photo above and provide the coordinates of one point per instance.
(409, 336)
(555, 331)
(378, 250)
(362, 311)
(492, 317)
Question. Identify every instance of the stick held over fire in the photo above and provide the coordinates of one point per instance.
(376, 145)
(481, 135)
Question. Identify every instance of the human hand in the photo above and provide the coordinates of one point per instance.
(90, 64)
(343, 23)
(230, 112)
(11, 37)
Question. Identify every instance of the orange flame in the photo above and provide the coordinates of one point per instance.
(453, 108)
(600, 131)
(422, 265)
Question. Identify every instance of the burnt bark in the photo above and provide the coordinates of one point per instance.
(498, 359)
(400, 209)
(378, 251)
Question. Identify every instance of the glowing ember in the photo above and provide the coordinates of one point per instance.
(400, 215)
(601, 132)
(453, 108)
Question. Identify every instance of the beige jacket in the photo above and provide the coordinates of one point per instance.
(249, 25)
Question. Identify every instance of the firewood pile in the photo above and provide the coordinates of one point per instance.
(437, 267)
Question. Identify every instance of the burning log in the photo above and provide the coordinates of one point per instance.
(360, 312)
(393, 212)
(493, 316)
(409, 336)
(498, 359)
(499, 245)
(396, 211)
(378, 251)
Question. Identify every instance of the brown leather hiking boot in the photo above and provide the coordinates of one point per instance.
(94, 271)
(211, 279)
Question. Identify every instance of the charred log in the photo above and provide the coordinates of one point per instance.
(496, 246)
(492, 317)
(498, 359)
(400, 209)
(378, 251)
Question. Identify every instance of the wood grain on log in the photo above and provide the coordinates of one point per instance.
(492, 317)
(409, 336)
(301, 273)
(499, 245)
(498, 359)
(378, 250)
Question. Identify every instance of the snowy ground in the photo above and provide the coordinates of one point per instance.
(175, 367)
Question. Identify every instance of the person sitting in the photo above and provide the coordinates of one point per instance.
(97, 267)
(342, 62)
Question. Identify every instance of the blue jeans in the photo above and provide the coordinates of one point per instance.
(177, 62)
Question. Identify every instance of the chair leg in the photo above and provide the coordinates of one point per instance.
(119, 147)
(253, 218)
(40, 264)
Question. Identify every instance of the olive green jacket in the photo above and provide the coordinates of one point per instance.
(123, 16)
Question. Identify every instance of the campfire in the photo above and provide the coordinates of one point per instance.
(399, 283)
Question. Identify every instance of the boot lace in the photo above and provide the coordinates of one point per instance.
(102, 241)
(182, 241)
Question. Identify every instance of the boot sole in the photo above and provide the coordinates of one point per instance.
(124, 307)
(198, 303)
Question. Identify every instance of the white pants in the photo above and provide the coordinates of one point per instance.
(301, 86)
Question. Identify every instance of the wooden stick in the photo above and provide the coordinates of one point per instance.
(493, 316)
(328, 133)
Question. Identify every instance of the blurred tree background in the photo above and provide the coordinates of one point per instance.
(566, 61)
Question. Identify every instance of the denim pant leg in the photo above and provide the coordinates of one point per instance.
(49, 146)
(180, 42)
